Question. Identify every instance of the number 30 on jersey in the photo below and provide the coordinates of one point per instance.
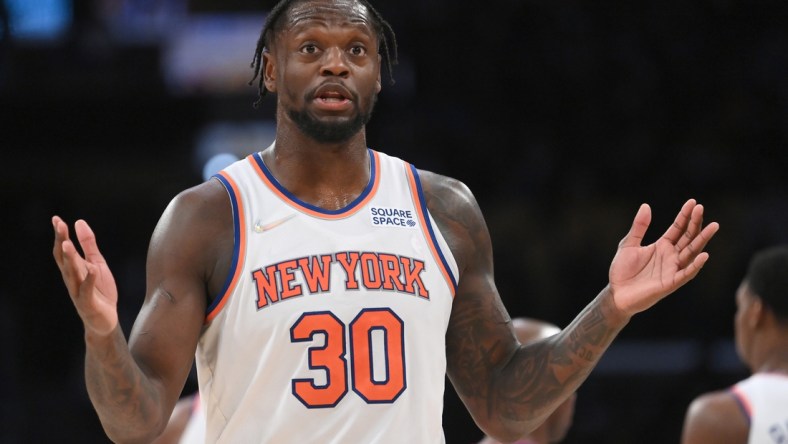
(377, 374)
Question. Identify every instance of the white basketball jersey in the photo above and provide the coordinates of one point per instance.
(331, 327)
(194, 431)
(764, 399)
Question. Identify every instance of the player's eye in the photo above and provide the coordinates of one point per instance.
(309, 49)
(358, 50)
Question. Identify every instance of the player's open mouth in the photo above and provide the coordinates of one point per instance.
(333, 103)
(332, 97)
(332, 92)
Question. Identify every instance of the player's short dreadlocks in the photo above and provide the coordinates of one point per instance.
(767, 277)
(388, 42)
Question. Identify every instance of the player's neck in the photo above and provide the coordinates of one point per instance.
(291, 141)
(329, 176)
(775, 360)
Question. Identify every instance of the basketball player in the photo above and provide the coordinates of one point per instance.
(327, 288)
(555, 427)
(754, 410)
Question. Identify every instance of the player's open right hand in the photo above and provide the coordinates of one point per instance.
(89, 281)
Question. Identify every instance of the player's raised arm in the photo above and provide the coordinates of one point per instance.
(508, 388)
(642, 275)
(134, 386)
(89, 281)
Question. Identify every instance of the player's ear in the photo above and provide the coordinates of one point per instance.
(269, 71)
(378, 85)
(758, 313)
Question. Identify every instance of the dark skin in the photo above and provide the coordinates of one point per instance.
(329, 49)
(555, 428)
(762, 344)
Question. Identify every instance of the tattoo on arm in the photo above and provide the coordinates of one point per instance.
(487, 367)
(553, 369)
(591, 334)
(450, 202)
(122, 398)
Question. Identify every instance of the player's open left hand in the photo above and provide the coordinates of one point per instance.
(89, 280)
(642, 275)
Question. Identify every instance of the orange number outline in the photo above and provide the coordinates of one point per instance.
(330, 357)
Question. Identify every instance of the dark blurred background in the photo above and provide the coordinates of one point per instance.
(562, 117)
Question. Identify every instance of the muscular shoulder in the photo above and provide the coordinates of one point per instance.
(457, 213)
(195, 232)
(715, 417)
(194, 215)
(206, 201)
(446, 189)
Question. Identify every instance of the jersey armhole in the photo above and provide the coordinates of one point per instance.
(420, 203)
(743, 402)
(239, 243)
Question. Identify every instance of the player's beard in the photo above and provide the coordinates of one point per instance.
(332, 132)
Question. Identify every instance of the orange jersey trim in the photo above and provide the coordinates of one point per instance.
(270, 181)
(239, 248)
(743, 401)
(420, 203)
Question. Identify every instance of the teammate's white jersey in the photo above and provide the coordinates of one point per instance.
(331, 327)
(764, 400)
(194, 431)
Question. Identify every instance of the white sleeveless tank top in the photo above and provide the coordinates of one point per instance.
(764, 400)
(331, 326)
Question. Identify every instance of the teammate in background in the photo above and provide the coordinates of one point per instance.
(555, 427)
(311, 320)
(754, 410)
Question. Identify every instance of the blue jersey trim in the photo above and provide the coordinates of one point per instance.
(236, 243)
(372, 178)
(742, 407)
(433, 239)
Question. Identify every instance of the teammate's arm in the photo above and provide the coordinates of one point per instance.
(510, 389)
(134, 385)
(715, 417)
